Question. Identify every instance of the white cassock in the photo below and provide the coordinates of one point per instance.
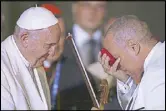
(149, 94)
(21, 88)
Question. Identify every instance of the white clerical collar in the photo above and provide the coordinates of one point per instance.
(81, 36)
(149, 57)
(22, 57)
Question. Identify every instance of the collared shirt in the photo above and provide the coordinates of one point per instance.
(81, 38)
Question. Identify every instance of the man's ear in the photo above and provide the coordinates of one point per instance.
(134, 46)
(24, 40)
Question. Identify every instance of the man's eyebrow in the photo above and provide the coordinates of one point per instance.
(51, 43)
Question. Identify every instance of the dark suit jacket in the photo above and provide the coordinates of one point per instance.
(72, 92)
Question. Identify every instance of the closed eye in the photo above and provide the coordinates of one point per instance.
(47, 46)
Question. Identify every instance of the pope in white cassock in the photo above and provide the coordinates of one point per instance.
(35, 38)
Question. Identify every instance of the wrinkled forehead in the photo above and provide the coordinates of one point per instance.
(54, 30)
(111, 40)
(52, 33)
(115, 42)
(111, 45)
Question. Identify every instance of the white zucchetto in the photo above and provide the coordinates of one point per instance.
(36, 18)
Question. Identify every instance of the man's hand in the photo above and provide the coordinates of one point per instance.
(112, 70)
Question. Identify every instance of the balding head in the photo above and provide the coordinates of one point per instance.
(129, 27)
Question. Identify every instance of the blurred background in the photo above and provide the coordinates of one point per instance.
(87, 17)
(153, 12)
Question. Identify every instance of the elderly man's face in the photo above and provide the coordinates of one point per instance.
(127, 59)
(89, 14)
(60, 46)
(45, 45)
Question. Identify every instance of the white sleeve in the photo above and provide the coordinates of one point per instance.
(6, 97)
(125, 91)
(156, 102)
(155, 99)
